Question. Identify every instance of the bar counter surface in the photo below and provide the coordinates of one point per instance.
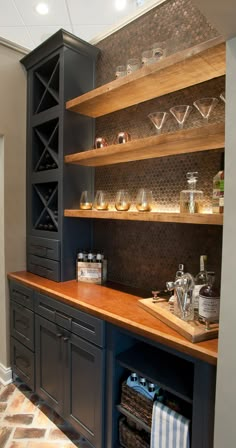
(118, 308)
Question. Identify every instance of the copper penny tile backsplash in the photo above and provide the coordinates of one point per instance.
(141, 254)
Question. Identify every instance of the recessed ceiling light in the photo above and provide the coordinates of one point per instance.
(42, 8)
(120, 4)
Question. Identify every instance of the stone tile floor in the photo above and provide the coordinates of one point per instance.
(27, 422)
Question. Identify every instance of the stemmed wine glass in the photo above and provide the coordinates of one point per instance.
(205, 107)
(181, 113)
(158, 119)
(222, 96)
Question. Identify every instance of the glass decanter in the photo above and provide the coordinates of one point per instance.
(191, 199)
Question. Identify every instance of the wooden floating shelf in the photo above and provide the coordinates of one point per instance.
(178, 71)
(181, 142)
(197, 218)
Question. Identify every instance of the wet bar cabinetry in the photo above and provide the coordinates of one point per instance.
(57, 70)
(88, 339)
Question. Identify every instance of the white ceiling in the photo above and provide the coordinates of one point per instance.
(88, 19)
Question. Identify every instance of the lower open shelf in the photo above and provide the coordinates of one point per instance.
(196, 218)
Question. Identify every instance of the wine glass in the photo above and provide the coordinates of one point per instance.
(86, 201)
(181, 113)
(122, 201)
(158, 119)
(100, 201)
(144, 200)
(205, 107)
(222, 96)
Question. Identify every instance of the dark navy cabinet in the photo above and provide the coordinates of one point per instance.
(61, 68)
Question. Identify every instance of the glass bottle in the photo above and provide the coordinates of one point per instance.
(209, 301)
(200, 280)
(218, 189)
(191, 199)
(173, 303)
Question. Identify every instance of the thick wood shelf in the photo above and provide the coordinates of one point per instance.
(186, 68)
(139, 359)
(181, 142)
(197, 218)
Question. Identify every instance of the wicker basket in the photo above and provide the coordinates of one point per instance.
(136, 403)
(131, 438)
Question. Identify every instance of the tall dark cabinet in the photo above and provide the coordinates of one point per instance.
(59, 69)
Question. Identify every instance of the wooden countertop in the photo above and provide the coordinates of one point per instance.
(120, 309)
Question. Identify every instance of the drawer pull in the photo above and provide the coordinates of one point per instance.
(65, 339)
(59, 335)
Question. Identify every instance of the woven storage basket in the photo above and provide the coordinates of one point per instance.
(130, 438)
(136, 403)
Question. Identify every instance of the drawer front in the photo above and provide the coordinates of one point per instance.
(44, 268)
(22, 295)
(84, 325)
(22, 362)
(22, 324)
(44, 247)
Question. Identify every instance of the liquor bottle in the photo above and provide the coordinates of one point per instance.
(191, 199)
(209, 301)
(218, 189)
(90, 257)
(80, 255)
(200, 280)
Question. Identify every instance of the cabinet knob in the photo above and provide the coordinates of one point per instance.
(66, 339)
(59, 335)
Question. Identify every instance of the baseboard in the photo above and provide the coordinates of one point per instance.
(5, 375)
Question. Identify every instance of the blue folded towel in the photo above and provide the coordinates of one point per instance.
(169, 429)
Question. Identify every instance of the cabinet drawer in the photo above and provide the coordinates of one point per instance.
(88, 327)
(22, 362)
(22, 324)
(44, 247)
(44, 268)
(22, 295)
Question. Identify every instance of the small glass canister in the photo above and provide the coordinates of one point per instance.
(100, 142)
(122, 137)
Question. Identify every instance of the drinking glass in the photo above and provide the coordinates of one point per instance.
(100, 142)
(158, 119)
(133, 64)
(100, 201)
(122, 137)
(120, 71)
(181, 113)
(86, 201)
(159, 50)
(144, 200)
(205, 107)
(122, 200)
(147, 57)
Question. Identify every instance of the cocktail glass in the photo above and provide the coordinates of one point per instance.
(205, 107)
(158, 119)
(181, 113)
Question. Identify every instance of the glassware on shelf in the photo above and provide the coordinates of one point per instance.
(122, 137)
(120, 71)
(133, 64)
(100, 142)
(86, 202)
(159, 50)
(205, 107)
(100, 201)
(222, 97)
(181, 113)
(144, 200)
(147, 57)
(122, 200)
(191, 199)
(158, 119)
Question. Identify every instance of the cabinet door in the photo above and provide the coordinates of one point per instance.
(22, 324)
(22, 362)
(84, 369)
(49, 362)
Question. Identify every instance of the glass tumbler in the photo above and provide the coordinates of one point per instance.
(86, 202)
(120, 71)
(133, 65)
(100, 201)
(122, 201)
(144, 200)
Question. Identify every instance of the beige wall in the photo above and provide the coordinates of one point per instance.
(12, 180)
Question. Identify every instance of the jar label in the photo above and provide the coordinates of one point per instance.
(196, 296)
(209, 308)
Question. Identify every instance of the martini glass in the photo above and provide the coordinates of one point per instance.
(158, 119)
(181, 113)
(222, 97)
(205, 107)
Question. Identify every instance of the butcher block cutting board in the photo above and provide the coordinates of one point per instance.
(194, 331)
